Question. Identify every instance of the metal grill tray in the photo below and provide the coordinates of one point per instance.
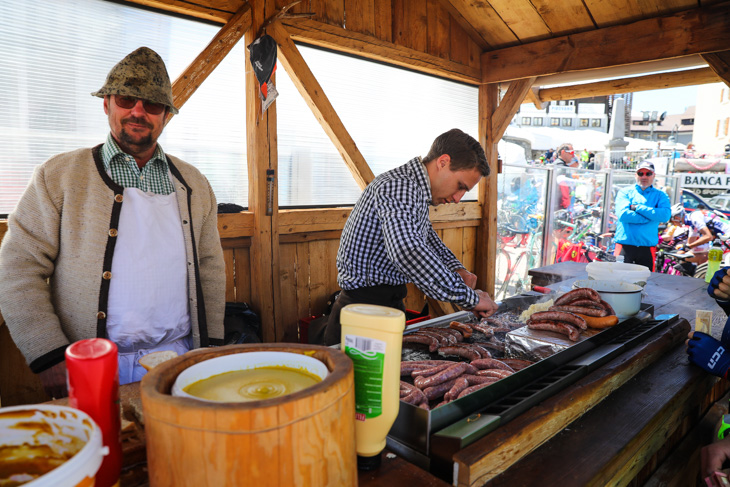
(452, 424)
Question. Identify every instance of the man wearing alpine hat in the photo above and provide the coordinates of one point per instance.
(640, 209)
(118, 241)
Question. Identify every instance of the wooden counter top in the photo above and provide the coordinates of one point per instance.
(613, 427)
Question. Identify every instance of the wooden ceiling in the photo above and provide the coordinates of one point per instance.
(514, 39)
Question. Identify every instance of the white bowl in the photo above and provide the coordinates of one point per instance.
(244, 361)
(618, 271)
(624, 297)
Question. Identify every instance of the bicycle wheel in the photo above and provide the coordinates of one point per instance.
(516, 282)
(701, 271)
(502, 268)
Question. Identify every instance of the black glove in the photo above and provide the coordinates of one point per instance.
(706, 352)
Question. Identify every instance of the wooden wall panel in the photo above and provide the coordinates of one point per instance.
(360, 16)
(242, 259)
(469, 249)
(415, 300)
(383, 19)
(453, 238)
(230, 275)
(329, 11)
(459, 42)
(288, 283)
(323, 274)
(303, 271)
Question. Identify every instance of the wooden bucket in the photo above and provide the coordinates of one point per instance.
(304, 438)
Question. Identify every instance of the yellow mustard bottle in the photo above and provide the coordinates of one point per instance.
(372, 337)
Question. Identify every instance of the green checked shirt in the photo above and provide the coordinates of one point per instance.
(152, 178)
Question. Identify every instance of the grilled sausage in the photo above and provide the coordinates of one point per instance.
(460, 384)
(463, 328)
(415, 397)
(430, 363)
(434, 392)
(557, 327)
(407, 368)
(580, 310)
(586, 303)
(442, 340)
(498, 373)
(608, 307)
(406, 388)
(462, 352)
(430, 371)
(491, 363)
(432, 343)
(473, 388)
(485, 329)
(447, 332)
(575, 294)
(484, 351)
(480, 379)
(552, 315)
(442, 376)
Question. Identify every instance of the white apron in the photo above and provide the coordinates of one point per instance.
(148, 294)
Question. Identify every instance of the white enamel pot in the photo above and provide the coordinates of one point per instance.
(624, 297)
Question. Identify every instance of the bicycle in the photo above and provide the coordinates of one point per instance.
(515, 279)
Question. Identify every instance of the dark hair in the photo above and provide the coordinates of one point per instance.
(564, 147)
(465, 152)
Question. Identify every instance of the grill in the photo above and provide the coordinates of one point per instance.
(430, 438)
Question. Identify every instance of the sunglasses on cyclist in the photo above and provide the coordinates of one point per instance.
(644, 173)
(128, 102)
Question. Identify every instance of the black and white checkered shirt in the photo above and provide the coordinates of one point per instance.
(388, 239)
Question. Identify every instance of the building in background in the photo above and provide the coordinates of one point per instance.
(712, 129)
(652, 126)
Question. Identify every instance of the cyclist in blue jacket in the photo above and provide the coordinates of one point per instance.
(640, 209)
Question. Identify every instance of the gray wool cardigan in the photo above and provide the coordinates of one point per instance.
(56, 257)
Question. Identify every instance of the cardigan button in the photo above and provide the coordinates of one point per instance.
(119, 198)
(107, 275)
(100, 315)
(112, 232)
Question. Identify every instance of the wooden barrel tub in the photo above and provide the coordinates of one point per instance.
(304, 438)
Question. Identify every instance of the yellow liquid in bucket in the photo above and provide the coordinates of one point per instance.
(252, 384)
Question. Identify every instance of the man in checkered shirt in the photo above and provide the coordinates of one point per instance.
(388, 239)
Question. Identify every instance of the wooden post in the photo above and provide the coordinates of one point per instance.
(262, 156)
(487, 231)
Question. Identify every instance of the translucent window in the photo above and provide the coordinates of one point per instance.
(52, 58)
(526, 121)
(567, 122)
(392, 114)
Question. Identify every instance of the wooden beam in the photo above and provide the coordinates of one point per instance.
(342, 40)
(262, 156)
(508, 106)
(219, 11)
(218, 48)
(689, 77)
(533, 96)
(485, 20)
(487, 231)
(695, 31)
(320, 105)
(720, 64)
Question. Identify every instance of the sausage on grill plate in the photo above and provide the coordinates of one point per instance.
(462, 352)
(575, 294)
(473, 388)
(432, 343)
(430, 371)
(463, 328)
(460, 384)
(580, 310)
(557, 327)
(491, 363)
(442, 376)
(554, 315)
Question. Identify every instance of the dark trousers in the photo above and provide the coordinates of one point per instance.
(383, 295)
(638, 255)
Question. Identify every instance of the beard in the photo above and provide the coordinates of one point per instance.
(139, 143)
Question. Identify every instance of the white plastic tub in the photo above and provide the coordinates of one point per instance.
(618, 271)
(30, 430)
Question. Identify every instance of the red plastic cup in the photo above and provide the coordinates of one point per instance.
(93, 387)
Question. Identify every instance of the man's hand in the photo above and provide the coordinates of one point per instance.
(709, 354)
(713, 456)
(719, 287)
(485, 307)
(469, 278)
(54, 381)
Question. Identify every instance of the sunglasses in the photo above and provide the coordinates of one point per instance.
(128, 102)
(644, 173)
